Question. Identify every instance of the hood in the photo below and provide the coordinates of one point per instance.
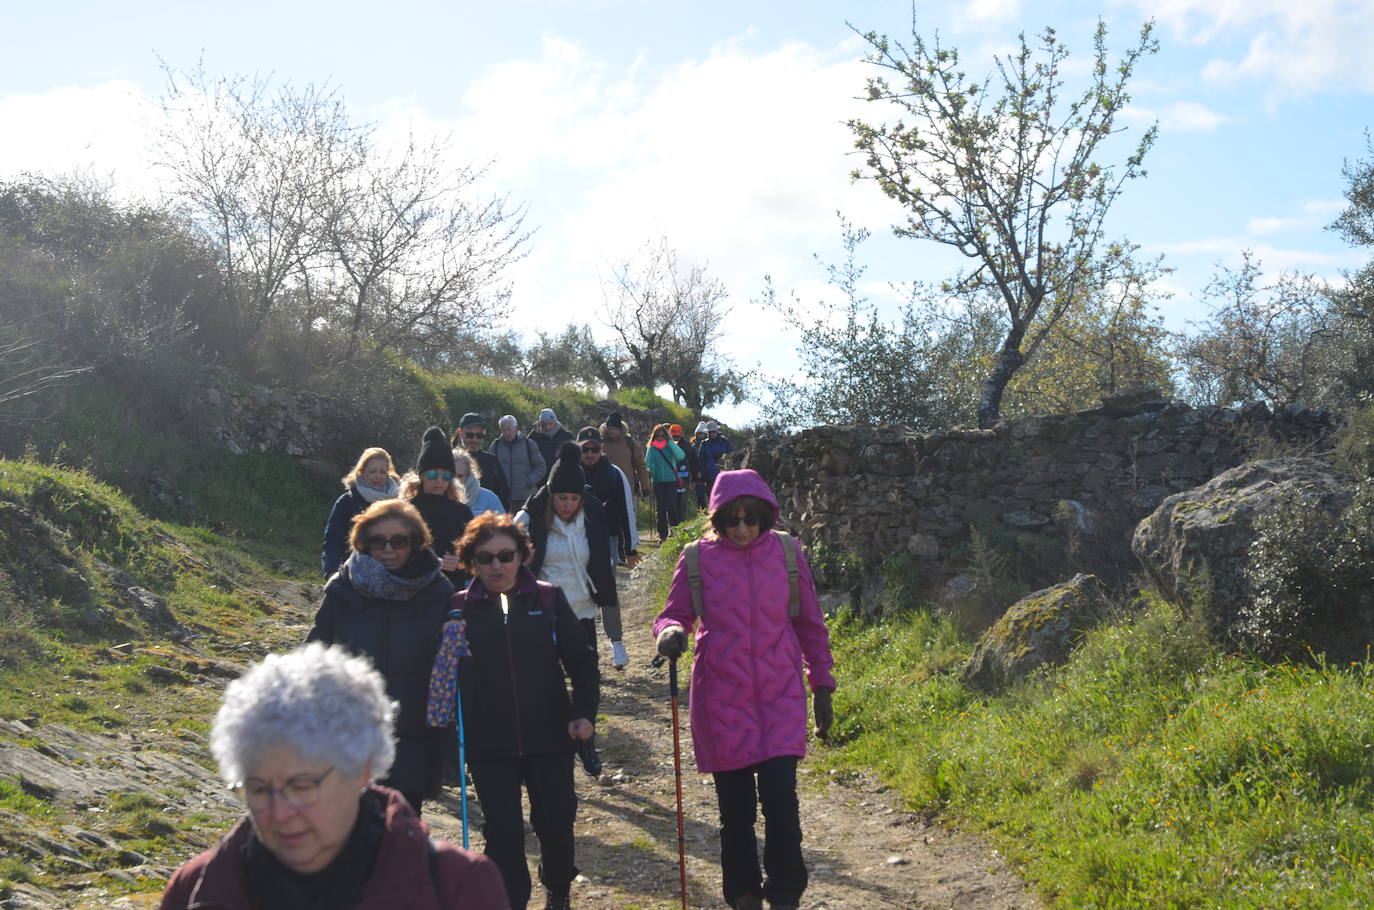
(734, 484)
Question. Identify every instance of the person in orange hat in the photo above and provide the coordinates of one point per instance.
(688, 470)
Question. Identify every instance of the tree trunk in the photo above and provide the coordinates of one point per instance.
(1009, 360)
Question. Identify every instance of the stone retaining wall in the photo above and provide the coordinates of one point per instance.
(876, 491)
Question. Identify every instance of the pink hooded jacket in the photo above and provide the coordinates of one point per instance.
(748, 699)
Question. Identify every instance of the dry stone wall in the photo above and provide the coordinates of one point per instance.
(875, 491)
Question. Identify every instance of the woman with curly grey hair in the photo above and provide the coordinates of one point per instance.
(302, 739)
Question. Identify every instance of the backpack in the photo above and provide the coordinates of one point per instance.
(692, 556)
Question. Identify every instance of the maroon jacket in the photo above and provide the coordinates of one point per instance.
(401, 879)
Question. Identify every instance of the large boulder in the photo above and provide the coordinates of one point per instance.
(1039, 629)
(1195, 546)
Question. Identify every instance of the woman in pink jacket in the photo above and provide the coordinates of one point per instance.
(754, 658)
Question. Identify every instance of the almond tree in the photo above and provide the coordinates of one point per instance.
(1004, 170)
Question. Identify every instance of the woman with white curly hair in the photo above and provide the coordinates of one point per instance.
(302, 739)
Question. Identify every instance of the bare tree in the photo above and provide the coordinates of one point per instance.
(253, 165)
(385, 251)
(667, 319)
(1005, 171)
(415, 259)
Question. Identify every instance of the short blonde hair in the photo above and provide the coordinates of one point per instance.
(352, 476)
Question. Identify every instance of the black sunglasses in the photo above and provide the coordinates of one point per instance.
(485, 559)
(471, 435)
(730, 521)
(591, 447)
(395, 541)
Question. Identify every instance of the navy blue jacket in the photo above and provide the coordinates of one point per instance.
(400, 637)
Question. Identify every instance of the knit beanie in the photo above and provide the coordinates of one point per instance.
(615, 420)
(435, 453)
(548, 414)
(701, 427)
(567, 476)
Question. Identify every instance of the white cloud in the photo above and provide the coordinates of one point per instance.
(1179, 117)
(1274, 258)
(1313, 215)
(739, 158)
(1299, 47)
(99, 130)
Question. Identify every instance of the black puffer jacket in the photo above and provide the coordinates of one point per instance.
(400, 637)
(598, 542)
(515, 701)
(607, 484)
(446, 519)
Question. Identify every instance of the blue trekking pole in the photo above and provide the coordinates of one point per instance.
(462, 765)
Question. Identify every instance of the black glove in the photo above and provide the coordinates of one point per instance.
(672, 642)
(591, 761)
(825, 712)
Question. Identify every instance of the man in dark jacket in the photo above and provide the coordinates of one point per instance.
(472, 435)
(710, 452)
(549, 435)
(606, 482)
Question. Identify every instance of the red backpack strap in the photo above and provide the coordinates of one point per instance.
(548, 594)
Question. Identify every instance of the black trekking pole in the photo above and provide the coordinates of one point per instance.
(677, 778)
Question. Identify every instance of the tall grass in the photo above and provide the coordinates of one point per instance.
(1151, 771)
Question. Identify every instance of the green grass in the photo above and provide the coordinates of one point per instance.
(1151, 771)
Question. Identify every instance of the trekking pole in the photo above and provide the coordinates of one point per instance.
(677, 778)
(462, 768)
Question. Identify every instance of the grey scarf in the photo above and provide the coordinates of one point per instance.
(371, 579)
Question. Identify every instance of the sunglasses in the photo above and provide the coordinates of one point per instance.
(591, 447)
(486, 559)
(445, 476)
(395, 542)
(731, 520)
(469, 435)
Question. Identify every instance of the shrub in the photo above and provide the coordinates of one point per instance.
(1355, 445)
(1313, 581)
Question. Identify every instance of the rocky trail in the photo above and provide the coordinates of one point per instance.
(865, 852)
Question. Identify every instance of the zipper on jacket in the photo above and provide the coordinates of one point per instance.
(514, 694)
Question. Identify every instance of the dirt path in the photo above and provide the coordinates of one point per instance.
(863, 850)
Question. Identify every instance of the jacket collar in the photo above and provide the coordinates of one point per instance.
(525, 582)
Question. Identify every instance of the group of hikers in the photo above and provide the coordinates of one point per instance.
(460, 607)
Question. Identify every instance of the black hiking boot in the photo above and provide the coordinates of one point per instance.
(747, 902)
(557, 900)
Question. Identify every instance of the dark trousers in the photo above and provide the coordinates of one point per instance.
(589, 626)
(738, 798)
(553, 807)
(665, 503)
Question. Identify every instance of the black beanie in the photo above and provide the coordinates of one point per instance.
(567, 476)
(615, 420)
(435, 453)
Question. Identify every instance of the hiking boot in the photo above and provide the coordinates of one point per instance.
(747, 902)
(773, 906)
(620, 658)
(557, 900)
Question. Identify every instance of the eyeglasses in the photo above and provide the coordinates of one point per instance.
(591, 447)
(471, 435)
(395, 541)
(730, 521)
(445, 476)
(485, 559)
(299, 792)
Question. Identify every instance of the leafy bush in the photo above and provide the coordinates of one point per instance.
(1355, 446)
(1313, 581)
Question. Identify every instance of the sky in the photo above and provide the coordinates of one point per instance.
(720, 126)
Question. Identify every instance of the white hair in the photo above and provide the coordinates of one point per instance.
(322, 701)
(508, 421)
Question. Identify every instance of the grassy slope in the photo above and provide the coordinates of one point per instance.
(1151, 771)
